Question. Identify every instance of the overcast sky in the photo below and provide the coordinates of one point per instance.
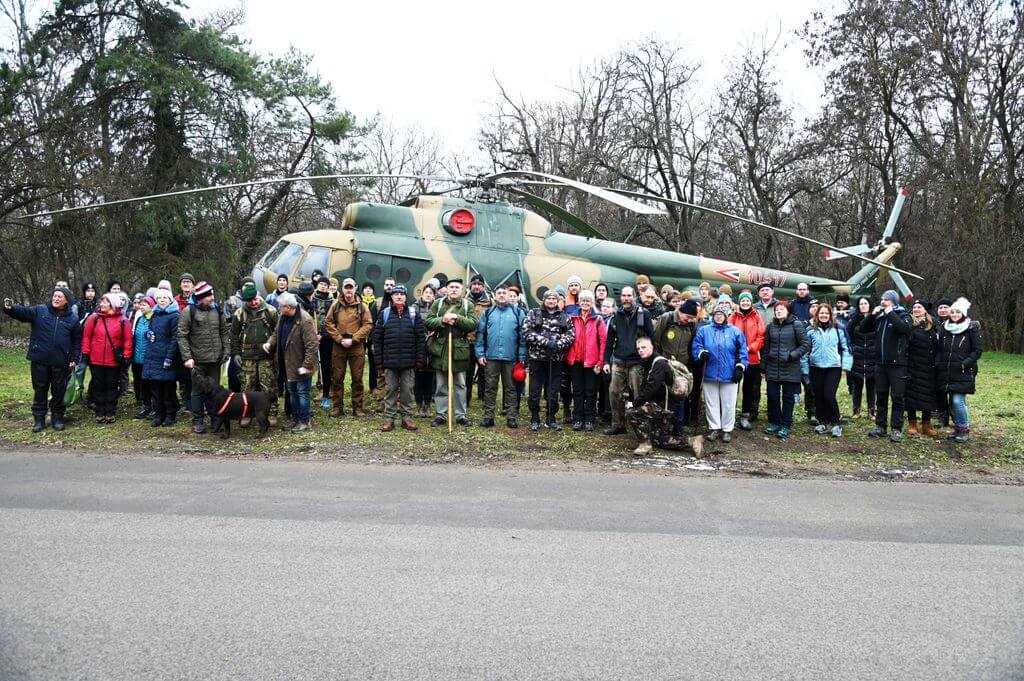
(433, 64)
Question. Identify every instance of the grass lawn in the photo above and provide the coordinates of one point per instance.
(996, 452)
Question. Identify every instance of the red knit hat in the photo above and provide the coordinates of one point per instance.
(202, 290)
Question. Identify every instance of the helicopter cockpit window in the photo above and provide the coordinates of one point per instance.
(273, 253)
(287, 255)
(317, 258)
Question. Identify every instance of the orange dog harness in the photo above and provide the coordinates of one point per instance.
(245, 404)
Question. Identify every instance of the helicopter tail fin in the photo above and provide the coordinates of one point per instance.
(886, 250)
(868, 275)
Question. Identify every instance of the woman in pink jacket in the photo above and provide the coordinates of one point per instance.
(586, 359)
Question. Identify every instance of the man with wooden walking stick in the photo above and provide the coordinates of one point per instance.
(449, 322)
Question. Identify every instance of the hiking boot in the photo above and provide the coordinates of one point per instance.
(871, 414)
(487, 423)
(325, 403)
(727, 436)
(588, 426)
(554, 425)
(837, 431)
(198, 427)
(927, 429)
(643, 449)
(877, 431)
(614, 430)
(463, 421)
(409, 425)
(38, 424)
(696, 445)
(388, 427)
(782, 433)
(896, 436)
(289, 424)
(820, 430)
(856, 414)
(577, 426)
(301, 427)
(57, 421)
(811, 421)
(512, 423)
(534, 425)
(169, 421)
(336, 412)
(745, 423)
(438, 421)
(963, 434)
(567, 418)
(156, 421)
(143, 412)
(912, 427)
(771, 429)
(713, 435)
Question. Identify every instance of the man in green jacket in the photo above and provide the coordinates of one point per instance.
(451, 319)
(252, 325)
(203, 341)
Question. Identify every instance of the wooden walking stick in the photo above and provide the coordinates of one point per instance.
(451, 386)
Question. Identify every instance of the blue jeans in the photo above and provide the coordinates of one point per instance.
(298, 396)
(780, 411)
(958, 409)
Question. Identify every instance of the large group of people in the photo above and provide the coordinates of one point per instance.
(655, 359)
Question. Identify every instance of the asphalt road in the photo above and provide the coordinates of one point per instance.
(140, 568)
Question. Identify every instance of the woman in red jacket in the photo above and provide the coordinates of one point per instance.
(747, 320)
(106, 344)
(586, 359)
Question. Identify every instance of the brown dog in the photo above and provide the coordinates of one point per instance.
(225, 407)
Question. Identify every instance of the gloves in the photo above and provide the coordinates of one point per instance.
(552, 345)
(237, 359)
(421, 365)
(737, 373)
(167, 364)
(150, 336)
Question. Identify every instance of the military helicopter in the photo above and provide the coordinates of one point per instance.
(433, 235)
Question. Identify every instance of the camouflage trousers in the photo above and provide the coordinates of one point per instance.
(652, 423)
(260, 374)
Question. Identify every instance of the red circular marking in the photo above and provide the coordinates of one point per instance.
(461, 221)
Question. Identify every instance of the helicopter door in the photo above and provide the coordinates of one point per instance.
(372, 267)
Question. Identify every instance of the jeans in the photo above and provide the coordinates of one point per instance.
(958, 409)
(826, 383)
(781, 399)
(890, 380)
(298, 396)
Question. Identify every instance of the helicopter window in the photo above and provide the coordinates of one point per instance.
(373, 272)
(403, 275)
(273, 253)
(288, 255)
(317, 258)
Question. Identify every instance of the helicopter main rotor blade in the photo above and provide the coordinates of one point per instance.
(234, 185)
(577, 223)
(859, 248)
(608, 195)
(894, 216)
(755, 223)
(901, 284)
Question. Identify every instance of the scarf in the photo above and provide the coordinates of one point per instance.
(370, 299)
(957, 328)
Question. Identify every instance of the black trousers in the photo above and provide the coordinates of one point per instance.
(584, 393)
(474, 377)
(604, 382)
(546, 378)
(751, 391)
(210, 370)
(104, 388)
(326, 371)
(861, 385)
(693, 400)
(48, 382)
(165, 399)
(890, 381)
(185, 384)
(825, 383)
(141, 387)
(568, 392)
(809, 399)
(423, 387)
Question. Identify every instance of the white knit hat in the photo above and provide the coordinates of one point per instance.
(573, 279)
(962, 305)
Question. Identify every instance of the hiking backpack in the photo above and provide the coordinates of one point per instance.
(682, 379)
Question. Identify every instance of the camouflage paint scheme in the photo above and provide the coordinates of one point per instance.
(516, 246)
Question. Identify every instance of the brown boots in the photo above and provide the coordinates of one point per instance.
(926, 429)
(912, 427)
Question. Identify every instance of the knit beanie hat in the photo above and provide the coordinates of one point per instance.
(843, 297)
(433, 283)
(551, 292)
(477, 279)
(724, 299)
(150, 300)
(560, 291)
(573, 279)
(943, 301)
(764, 286)
(723, 308)
(643, 279)
(202, 290)
(187, 276)
(66, 292)
(725, 289)
(89, 286)
(689, 307)
(962, 305)
(114, 299)
(891, 296)
(745, 294)
(248, 291)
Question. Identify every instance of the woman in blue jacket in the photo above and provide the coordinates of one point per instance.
(829, 357)
(162, 362)
(722, 350)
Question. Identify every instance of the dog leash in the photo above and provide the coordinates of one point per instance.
(245, 404)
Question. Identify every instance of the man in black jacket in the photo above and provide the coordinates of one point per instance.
(892, 326)
(621, 359)
(54, 348)
(399, 343)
